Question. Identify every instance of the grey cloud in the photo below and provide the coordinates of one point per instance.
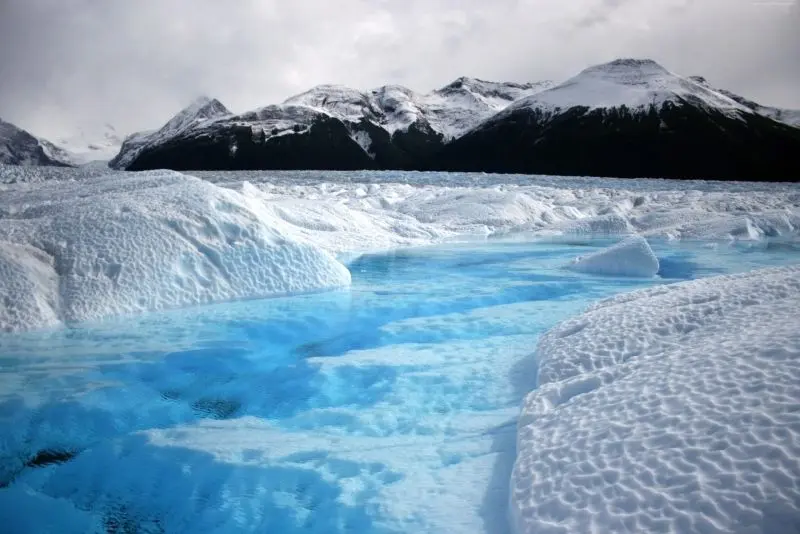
(599, 14)
(65, 64)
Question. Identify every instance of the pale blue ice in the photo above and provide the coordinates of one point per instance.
(386, 407)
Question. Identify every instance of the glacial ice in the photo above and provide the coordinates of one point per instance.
(115, 245)
(78, 234)
(630, 257)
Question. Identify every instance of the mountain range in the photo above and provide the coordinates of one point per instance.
(626, 118)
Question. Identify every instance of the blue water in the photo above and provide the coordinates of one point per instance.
(386, 407)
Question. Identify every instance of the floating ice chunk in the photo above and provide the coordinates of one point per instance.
(631, 257)
(124, 244)
(670, 409)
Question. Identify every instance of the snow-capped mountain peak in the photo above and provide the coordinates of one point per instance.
(628, 70)
(633, 83)
(201, 109)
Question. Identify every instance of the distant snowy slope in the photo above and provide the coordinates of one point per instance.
(59, 154)
(460, 106)
(788, 116)
(338, 101)
(199, 111)
(670, 409)
(86, 145)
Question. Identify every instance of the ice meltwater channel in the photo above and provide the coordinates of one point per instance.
(389, 406)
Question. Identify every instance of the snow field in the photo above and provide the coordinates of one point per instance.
(669, 409)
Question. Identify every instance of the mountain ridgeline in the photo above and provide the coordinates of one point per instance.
(626, 118)
(328, 127)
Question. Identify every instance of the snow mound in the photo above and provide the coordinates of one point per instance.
(124, 244)
(670, 409)
(631, 257)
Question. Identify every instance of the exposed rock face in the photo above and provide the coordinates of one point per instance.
(676, 140)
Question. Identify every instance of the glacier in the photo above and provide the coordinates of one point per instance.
(394, 405)
(630, 257)
(87, 239)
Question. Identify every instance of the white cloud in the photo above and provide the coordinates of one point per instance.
(63, 64)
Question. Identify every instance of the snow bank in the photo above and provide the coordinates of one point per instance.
(123, 244)
(670, 409)
(631, 257)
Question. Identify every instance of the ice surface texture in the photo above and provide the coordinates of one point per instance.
(117, 245)
(670, 409)
(631, 257)
(99, 245)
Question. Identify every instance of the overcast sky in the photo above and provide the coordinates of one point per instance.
(66, 64)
